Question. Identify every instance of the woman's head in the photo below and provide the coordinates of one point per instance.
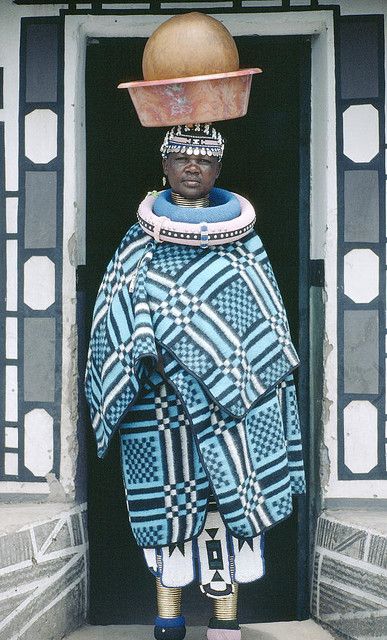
(192, 159)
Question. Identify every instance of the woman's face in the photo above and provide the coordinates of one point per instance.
(191, 176)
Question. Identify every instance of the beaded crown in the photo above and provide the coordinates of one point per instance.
(197, 139)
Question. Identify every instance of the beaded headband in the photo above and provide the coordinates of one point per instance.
(198, 139)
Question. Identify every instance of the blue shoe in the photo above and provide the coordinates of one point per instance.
(169, 628)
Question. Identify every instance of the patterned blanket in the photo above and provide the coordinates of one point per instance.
(212, 321)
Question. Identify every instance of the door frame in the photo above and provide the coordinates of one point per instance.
(321, 201)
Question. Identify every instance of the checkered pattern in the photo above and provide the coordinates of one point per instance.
(253, 485)
(140, 456)
(268, 269)
(292, 428)
(143, 349)
(254, 267)
(241, 530)
(115, 411)
(181, 305)
(250, 494)
(266, 438)
(237, 365)
(166, 419)
(290, 406)
(244, 482)
(180, 500)
(244, 360)
(177, 258)
(123, 355)
(224, 372)
(217, 310)
(101, 342)
(299, 485)
(237, 306)
(240, 260)
(282, 506)
(218, 423)
(186, 386)
(148, 536)
(163, 476)
(276, 372)
(193, 358)
(214, 468)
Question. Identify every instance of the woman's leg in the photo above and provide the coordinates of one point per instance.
(226, 608)
(169, 624)
(224, 624)
(168, 600)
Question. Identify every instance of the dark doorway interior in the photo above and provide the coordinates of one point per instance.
(262, 162)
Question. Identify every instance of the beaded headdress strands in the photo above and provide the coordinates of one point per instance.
(198, 139)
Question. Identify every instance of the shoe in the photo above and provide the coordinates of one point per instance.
(223, 630)
(169, 628)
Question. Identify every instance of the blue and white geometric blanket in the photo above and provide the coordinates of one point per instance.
(212, 324)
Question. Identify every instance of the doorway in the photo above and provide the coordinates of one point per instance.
(264, 155)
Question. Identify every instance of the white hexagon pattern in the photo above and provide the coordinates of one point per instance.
(38, 442)
(39, 282)
(361, 132)
(360, 436)
(361, 275)
(41, 135)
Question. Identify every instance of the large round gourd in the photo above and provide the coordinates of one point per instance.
(192, 44)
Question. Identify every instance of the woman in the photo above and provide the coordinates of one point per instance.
(191, 359)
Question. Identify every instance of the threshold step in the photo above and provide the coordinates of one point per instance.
(306, 630)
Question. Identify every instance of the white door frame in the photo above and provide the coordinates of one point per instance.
(323, 195)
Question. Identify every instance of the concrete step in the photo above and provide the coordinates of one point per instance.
(307, 630)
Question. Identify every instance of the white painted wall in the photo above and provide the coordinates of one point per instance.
(319, 25)
(335, 488)
(10, 19)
